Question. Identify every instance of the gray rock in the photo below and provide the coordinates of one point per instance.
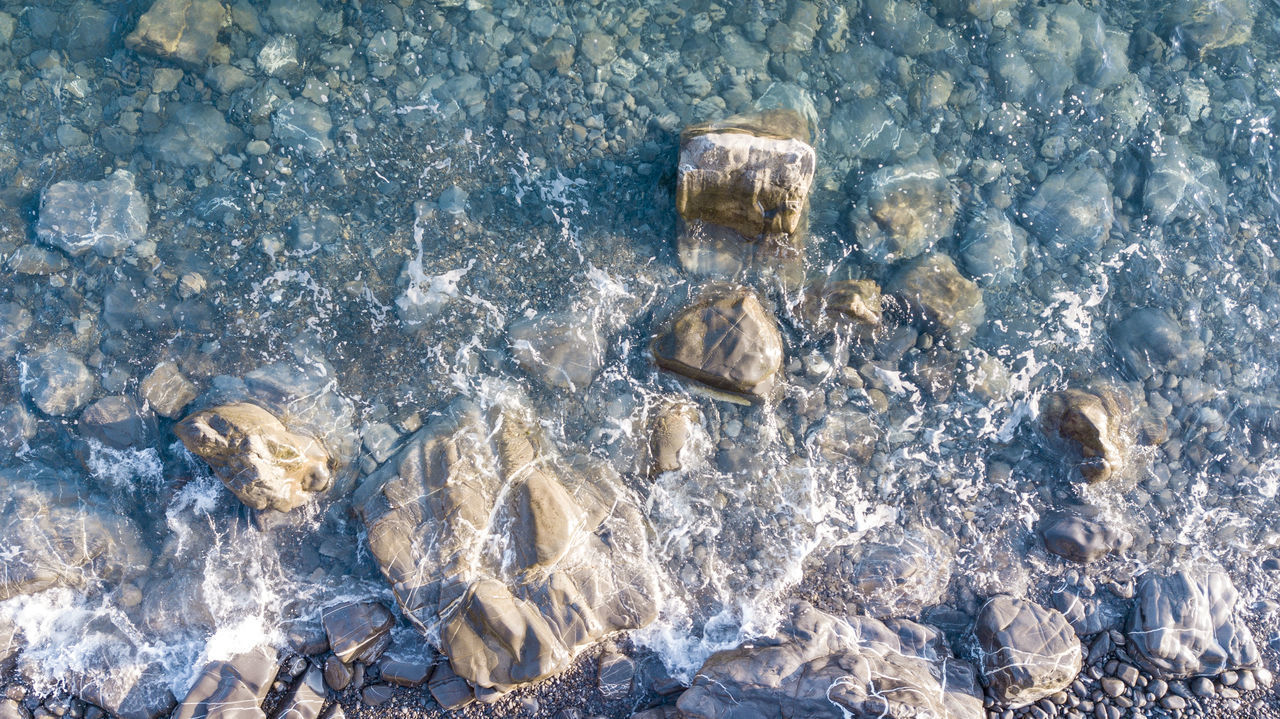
(56, 381)
(1028, 652)
(905, 28)
(107, 216)
(36, 260)
(303, 126)
(994, 250)
(673, 432)
(1091, 426)
(1080, 539)
(279, 56)
(194, 135)
(939, 295)
(305, 699)
(296, 17)
(167, 391)
(15, 320)
(864, 129)
(448, 689)
(264, 464)
(358, 631)
(821, 666)
(337, 675)
(904, 210)
(404, 673)
(17, 427)
(1207, 25)
(1071, 212)
(1181, 184)
(563, 349)
(726, 340)
(226, 79)
(597, 47)
(122, 680)
(1185, 623)
(1150, 341)
(893, 572)
(118, 422)
(376, 695)
(232, 689)
(615, 674)
(53, 536)
(510, 618)
(10, 709)
(1088, 610)
(183, 30)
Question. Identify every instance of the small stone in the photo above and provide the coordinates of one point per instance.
(377, 695)
(1071, 212)
(279, 56)
(167, 390)
(190, 285)
(1173, 702)
(1202, 687)
(303, 126)
(337, 675)
(405, 674)
(935, 291)
(1112, 686)
(904, 210)
(358, 631)
(118, 422)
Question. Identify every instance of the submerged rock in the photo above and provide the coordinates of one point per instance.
(1151, 341)
(466, 483)
(821, 666)
(358, 631)
(1029, 652)
(17, 427)
(184, 30)
(1181, 184)
(167, 391)
(750, 173)
(1092, 426)
(854, 300)
(1080, 539)
(936, 291)
(118, 422)
(1207, 25)
(303, 126)
(232, 689)
(193, 135)
(904, 210)
(1185, 624)
(673, 429)
(264, 464)
(107, 216)
(307, 697)
(994, 250)
(1071, 212)
(727, 340)
(893, 572)
(56, 381)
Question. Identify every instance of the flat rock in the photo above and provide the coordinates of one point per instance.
(1180, 184)
(232, 689)
(358, 631)
(1185, 623)
(306, 698)
(15, 320)
(1071, 211)
(106, 216)
(118, 422)
(167, 391)
(472, 479)
(904, 210)
(193, 135)
(819, 665)
(303, 126)
(1091, 426)
(727, 340)
(264, 464)
(750, 173)
(184, 30)
(944, 299)
(1029, 652)
(405, 673)
(1080, 539)
(56, 381)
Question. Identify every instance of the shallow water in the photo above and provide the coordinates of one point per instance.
(448, 169)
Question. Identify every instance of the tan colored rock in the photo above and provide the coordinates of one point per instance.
(727, 340)
(167, 390)
(750, 173)
(937, 292)
(264, 464)
(1092, 425)
(856, 300)
(184, 30)
(669, 433)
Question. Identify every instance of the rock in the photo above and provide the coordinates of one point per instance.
(376, 695)
(615, 674)
(505, 619)
(1208, 25)
(10, 709)
(935, 291)
(750, 173)
(264, 464)
(1088, 610)
(1028, 652)
(232, 689)
(118, 422)
(1181, 185)
(821, 666)
(405, 674)
(336, 674)
(994, 250)
(306, 699)
(727, 340)
(132, 688)
(56, 381)
(167, 391)
(107, 216)
(904, 210)
(36, 260)
(304, 127)
(855, 301)
(15, 320)
(676, 429)
(1185, 623)
(892, 572)
(1079, 539)
(906, 28)
(1150, 341)
(1071, 212)
(17, 427)
(845, 434)
(358, 631)
(194, 135)
(448, 689)
(1091, 426)
(279, 57)
(183, 30)
(296, 17)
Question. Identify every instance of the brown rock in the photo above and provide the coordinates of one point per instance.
(941, 296)
(728, 341)
(167, 391)
(262, 462)
(668, 435)
(1092, 426)
(184, 30)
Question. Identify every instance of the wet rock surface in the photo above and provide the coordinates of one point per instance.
(105, 216)
(1091, 426)
(941, 296)
(727, 340)
(183, 30)
(1028, 652)
(1186, 623)
(57, 382)
(358, 631)
(232, 688)
(903, 211)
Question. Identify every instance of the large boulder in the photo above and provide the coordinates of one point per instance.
(1028, 652)
(107, 216)
(515, 557)
(183, 30)
(1091, 426)
(54, 534)
(232, 689)
(1185, 624)
(940, 296)
(904, 210)
(264, 464)
(750, 173)
(726, 340)
(819, 665)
